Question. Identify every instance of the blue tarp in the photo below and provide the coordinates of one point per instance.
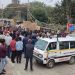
(72, 28)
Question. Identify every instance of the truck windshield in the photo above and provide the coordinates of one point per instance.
(41, 44)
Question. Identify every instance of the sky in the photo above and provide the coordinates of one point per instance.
(4, 3)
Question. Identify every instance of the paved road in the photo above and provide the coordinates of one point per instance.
(59, 69)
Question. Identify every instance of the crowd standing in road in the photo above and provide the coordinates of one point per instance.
(16, 41)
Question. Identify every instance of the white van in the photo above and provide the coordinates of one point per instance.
(50, 51)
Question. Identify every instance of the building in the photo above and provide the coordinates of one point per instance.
(15, 1)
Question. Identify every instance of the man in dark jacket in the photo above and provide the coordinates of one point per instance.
(29, 54)
(34, 39)
(25, 41)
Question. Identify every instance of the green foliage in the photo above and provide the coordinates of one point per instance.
(59, 15)
(62, 12)
(39, 11)
(40, 14)
(0, 13)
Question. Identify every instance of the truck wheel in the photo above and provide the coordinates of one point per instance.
(50, 64)
(37, 61)
(72, 60)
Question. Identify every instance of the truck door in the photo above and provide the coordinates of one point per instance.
(52, 50)
(65, 52)
(64, 48)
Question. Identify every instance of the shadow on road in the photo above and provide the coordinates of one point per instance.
(56, 65)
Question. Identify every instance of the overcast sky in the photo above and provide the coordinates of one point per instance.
(48, 2)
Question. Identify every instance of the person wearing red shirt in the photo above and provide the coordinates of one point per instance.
(13, 49)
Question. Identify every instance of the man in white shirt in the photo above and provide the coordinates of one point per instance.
(22, 37)
(8, 39)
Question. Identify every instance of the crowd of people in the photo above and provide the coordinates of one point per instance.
(16, 41)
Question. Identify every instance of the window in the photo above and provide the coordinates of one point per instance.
(41, 44)
(72, 44)
(52, 46)
(64, 45)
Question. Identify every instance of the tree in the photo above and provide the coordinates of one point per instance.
(59, 15)
(1, 13)
(62, 13)
(38, 11)
(73, 11)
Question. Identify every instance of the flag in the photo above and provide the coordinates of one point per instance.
(71, 29)
(69, 25)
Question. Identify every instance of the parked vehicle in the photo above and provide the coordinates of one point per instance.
(50, 51)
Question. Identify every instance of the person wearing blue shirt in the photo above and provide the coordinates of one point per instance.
(19, 48)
